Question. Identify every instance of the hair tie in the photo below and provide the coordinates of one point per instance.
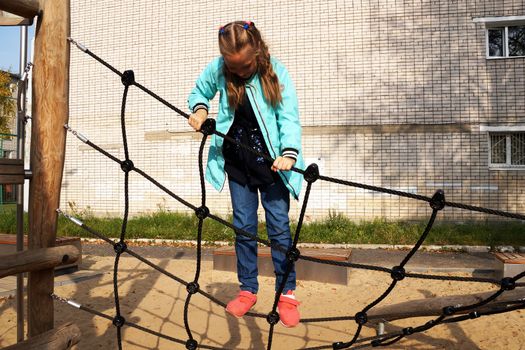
(247, 25)
(221, 30)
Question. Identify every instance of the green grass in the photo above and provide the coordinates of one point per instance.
(340, 229)
(336, 228)
(8, 218)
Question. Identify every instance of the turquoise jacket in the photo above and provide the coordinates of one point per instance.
(280, 125)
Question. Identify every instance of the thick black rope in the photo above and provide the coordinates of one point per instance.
(507, 284)
(119, 321)
(398, 274)
(223, 304)
(118, 318)
(311, 174)
(129, 324)
(291, 255)
(192, 347)
(377, 340)
(202, 212)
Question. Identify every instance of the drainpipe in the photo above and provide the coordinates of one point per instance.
(20, 153)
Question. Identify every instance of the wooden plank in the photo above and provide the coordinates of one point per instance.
(22, 8)
(12, 171)
(510, 258)
(224, 260)
(7, 19)
(37, 259)
(324, 254)
(61, 338)
(11, 239)
(11, 179)
(48, 140)
(8, 162)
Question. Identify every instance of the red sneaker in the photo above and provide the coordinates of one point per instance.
(242, 304)
(288, 312)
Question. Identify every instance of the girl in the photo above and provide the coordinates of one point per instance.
(257, 107)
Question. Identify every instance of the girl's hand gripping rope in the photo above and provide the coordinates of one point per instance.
(197, 119)
(283, 163)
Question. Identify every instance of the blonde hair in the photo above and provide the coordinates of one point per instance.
(233, 38)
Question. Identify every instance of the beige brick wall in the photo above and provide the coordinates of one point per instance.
(392, 93)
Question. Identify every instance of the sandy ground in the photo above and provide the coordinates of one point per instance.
(156, 302)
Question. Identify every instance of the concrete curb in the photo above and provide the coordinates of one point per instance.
(193, 243)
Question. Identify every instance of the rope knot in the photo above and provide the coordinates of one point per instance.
(438, 200)
(208, 127)
(120, 247)
(361, 318)
(311, 174)
(128, 78)
(508, 283)
(191, 344)
(338, 345)
(192, 287)
(202, 212)
(127, 166)
(119, 321)
(272, 318)
(398, 273)
(408, 331)
(293, 254)
(449, 310)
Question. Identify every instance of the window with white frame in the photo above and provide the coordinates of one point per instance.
(505, 36)
(507, 149)
(508, 41)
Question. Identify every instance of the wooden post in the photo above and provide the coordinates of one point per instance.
(22, 8)
(48, 140)
(61, 338)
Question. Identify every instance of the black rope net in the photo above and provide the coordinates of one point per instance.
(449, 314)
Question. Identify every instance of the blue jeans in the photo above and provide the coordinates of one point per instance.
(275, 199)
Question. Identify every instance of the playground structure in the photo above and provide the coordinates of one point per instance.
(50, 112)
(447, 309)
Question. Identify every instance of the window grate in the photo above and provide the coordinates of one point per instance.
(517, 142)
(507, 149)
(517, 41)
(498, 149)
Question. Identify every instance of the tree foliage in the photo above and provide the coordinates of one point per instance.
(7, 103)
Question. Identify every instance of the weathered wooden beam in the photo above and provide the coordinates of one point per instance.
(37, 259)
(434, 306)
(8, 19)
(22, 8)
(61, 338)
(12, 171)
(48, 141)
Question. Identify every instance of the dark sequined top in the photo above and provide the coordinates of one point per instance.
(242, 165)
